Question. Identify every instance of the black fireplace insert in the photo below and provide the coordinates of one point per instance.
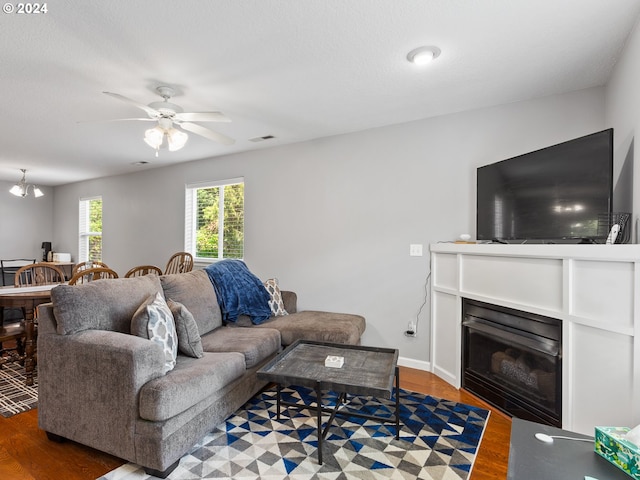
(513, 360)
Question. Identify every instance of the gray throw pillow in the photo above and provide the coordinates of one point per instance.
(189, 341)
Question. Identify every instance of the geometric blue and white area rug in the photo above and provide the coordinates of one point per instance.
(439, 440)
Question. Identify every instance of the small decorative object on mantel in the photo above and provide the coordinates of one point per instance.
(334, 361)
(464, 238)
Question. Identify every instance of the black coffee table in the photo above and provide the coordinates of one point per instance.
(367, 371)
(529, 458)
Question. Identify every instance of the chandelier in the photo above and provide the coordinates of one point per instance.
(21, 189)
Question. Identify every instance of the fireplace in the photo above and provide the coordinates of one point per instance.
(513, 360)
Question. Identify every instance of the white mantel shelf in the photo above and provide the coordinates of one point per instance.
(593, 289)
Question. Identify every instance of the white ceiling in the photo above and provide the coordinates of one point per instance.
(295, 69)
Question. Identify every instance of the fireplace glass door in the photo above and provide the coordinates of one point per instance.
(512, 359)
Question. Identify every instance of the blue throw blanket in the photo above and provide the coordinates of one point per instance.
(239, 291)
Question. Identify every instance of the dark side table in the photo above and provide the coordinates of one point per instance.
(531, 459)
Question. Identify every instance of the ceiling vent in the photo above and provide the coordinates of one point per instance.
(261, 139)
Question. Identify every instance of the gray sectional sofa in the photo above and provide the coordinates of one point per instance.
(104, 387)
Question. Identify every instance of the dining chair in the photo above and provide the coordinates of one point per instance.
(32, 275)
(88, 264)
(8, 269)
(11, 266)
(180, 262)
(38, 274)
(13, 335)
(90, 274)
(141, 270)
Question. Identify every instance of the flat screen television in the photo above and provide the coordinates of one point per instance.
(556, 194)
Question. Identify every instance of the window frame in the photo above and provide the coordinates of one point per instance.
(84, 234)
(191, 208)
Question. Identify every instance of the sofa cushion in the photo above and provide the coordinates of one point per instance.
(255, 344)
(195, 291)
(191, 381)
(318, 326)
(189, 342)
(275, 297)
(106, 304)
(154, 320)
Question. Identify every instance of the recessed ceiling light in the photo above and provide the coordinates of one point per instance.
(423, 55)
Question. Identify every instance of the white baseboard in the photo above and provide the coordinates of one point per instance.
(447, 377)
(412, 363)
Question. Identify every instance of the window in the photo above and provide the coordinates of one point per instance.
(214, 220)
(90, 227)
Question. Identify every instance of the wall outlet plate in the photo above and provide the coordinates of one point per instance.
(415, 250)
(411, 329)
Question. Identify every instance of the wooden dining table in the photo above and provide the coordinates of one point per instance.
(27, 298)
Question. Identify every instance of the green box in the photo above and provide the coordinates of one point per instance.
(611, 444)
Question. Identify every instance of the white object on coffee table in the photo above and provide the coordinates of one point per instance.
(334, 361)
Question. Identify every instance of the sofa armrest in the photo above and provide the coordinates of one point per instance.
(46, 319)
(290, 300)
(89, 383)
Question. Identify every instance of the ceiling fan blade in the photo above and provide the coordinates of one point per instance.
(132, 120)
(119, 120)
(205, 132)
(202, 117)
(152, 112)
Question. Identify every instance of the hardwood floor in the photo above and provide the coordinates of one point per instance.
(27, 454)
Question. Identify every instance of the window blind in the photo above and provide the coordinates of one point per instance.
(214, 219)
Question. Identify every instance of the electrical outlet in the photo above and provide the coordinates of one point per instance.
(415, 250)
(411, 329)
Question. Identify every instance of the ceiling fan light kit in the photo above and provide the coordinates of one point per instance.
(159, 137)
(21, 189)
(154, 137)
(176, 139)
(169, 114)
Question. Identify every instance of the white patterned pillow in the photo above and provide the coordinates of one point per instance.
(275, 301)
(153, 320)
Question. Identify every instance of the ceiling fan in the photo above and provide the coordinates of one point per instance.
(168, 115)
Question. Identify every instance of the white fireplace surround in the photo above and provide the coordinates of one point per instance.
(593, 289)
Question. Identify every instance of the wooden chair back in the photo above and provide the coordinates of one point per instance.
(180, 262)
(141, 270)
(90, 274)
(88, 264)
(38, 274)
